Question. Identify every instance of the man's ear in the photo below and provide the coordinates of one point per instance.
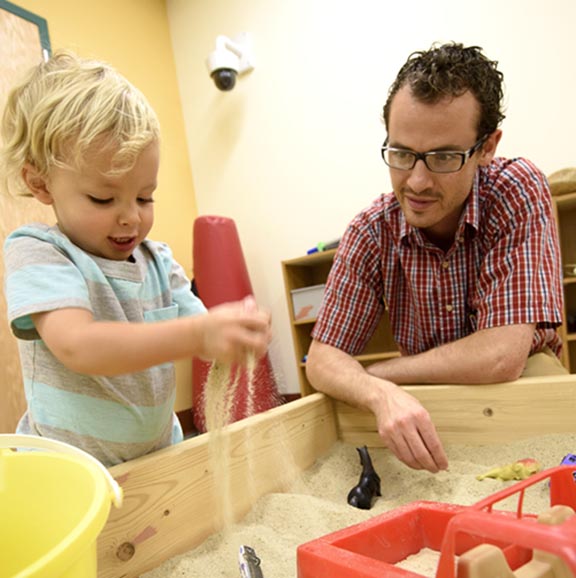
(488, 149)
(37, 184)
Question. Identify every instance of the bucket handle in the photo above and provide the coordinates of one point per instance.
(41, 443)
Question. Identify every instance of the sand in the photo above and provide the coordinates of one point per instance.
(316, 505)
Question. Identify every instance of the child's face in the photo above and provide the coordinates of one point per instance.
(106, 216)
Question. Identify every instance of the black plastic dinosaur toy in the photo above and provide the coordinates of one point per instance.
(360, 496)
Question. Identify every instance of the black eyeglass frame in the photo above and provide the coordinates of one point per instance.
(464, 155)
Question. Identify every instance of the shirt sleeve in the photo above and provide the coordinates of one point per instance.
(39, 277)
(181, 287)
(352, 304)
(520, 278)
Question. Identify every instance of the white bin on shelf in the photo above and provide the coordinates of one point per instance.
(307, 301)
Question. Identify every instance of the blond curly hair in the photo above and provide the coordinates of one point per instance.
(61, 108)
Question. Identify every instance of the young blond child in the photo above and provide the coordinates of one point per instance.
(101, 311)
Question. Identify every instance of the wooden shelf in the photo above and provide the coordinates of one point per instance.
(566, 201)
(314, 269)
(312, 260)
(309, 321)
(565, 213)
(374, 357)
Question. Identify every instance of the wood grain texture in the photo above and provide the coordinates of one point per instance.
(20, 49)
(170, 505)
(480, 414)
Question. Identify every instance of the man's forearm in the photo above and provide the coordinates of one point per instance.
(489, 356)
(339, 375)
(403, 424)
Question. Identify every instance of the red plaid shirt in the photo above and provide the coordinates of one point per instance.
(503, 269)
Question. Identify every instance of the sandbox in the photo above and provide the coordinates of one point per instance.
(171, 507)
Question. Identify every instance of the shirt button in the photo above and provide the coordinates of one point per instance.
(449, 308)
(445, 264)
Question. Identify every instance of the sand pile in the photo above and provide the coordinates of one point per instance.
(316, 504)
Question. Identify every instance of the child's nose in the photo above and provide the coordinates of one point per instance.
(129, 215)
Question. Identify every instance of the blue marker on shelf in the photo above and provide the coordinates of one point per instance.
(324, 246)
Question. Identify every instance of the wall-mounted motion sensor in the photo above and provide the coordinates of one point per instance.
(228, 60)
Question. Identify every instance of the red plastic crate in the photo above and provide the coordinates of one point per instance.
(372, 548)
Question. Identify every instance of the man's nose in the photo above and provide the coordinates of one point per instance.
(420, 177)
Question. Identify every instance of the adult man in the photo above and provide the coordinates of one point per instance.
(464, 255)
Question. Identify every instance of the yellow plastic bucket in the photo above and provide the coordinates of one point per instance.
(53, 505)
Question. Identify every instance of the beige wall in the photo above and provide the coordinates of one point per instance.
(133, 35)
(292, 153)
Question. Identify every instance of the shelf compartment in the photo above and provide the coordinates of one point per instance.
(566, 217)
(310, 270)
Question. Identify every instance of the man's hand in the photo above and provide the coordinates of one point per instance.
(403, 423)
(407, 429)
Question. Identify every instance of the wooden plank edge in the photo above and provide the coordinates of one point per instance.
(480, 414)
(170, 503)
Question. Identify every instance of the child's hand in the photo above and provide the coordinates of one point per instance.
(234, 330)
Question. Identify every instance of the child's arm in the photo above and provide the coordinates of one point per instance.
(226, 333)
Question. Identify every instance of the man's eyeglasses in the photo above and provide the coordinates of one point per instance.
(435, 161)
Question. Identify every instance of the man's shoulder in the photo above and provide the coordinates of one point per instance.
(381, 209)
(512, 190)
(378, 223)
(512, 173)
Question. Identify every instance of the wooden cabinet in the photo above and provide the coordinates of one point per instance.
(565, 210)
(311, 270)
(24, 41)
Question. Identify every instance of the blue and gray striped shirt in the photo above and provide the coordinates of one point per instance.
(114, 418)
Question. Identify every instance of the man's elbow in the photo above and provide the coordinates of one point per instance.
(507, 367)
(312, 370)
(504, 352)
(316, 365)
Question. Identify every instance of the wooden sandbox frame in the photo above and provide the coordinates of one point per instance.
(169, 503)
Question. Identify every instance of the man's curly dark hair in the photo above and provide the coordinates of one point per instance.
(450, 70)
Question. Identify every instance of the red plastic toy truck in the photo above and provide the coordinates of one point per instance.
(475, 541)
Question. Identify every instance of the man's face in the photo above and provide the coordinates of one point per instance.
(432, 201)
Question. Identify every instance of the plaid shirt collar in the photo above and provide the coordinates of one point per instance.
(469, 220)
